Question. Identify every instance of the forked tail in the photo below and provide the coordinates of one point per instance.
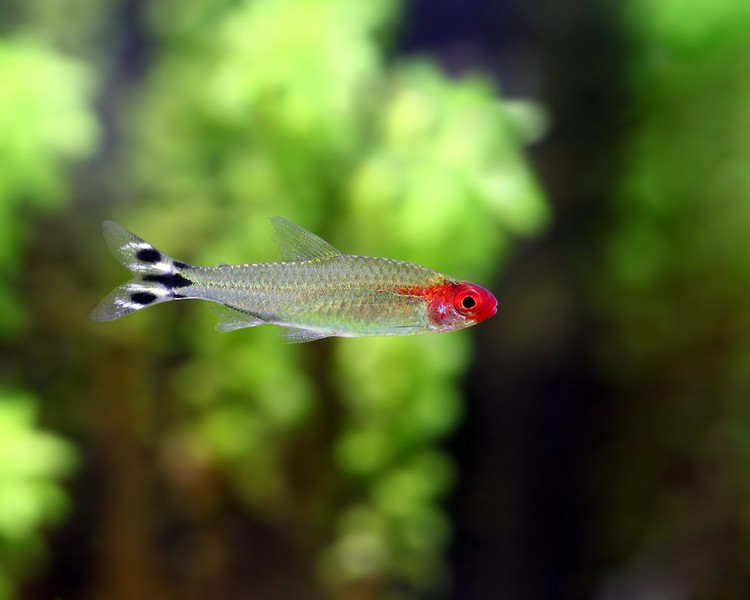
(158, 277)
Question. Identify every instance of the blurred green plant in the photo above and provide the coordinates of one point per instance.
(288, 107)
(31, 464)
(675, 293)
(45, 121)
(40, 133)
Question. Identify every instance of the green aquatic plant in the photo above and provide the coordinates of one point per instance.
(32, 463)
(41, 134)
(290, 107)
(674, 295)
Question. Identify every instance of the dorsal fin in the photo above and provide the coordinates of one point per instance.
(297, 243)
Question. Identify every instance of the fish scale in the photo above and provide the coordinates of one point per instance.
(316, 292)
(346, 288)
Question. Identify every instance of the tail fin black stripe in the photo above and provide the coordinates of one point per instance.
(156, 278)
(170, 281)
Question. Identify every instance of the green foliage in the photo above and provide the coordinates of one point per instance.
(395, 417)
(675, 294)
(287, 107)
(40, 132)
(31, 497)
(685, 194)
(229, 111)
(45, 122)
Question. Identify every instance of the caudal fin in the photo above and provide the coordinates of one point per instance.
(158, 277)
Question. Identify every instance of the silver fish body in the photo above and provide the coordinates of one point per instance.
(316, 292)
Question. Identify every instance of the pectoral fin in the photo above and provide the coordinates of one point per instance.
(231, 319)
(295, 335)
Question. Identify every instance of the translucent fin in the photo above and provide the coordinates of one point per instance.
(158, 277)
(231, 319)
(297, 243)
(294, 335)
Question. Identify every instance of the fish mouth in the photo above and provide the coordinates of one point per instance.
(494, 305)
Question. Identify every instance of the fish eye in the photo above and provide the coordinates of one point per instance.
(466, 302)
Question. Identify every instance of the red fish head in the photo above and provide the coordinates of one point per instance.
(455, 305)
